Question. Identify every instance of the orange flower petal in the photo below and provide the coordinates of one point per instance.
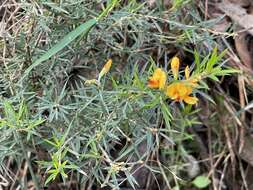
(158, 80)
(179, 91)
(188, 89)
(153, 83)
(172, 91)
(183, 90)
(162, 81)
(191, 100)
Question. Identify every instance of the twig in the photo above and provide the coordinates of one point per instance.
(243, 176)
(210, 156)
(243, 116)
(206, 9)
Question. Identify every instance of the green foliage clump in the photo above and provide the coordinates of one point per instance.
(99, 133)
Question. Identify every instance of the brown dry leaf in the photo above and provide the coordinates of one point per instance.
(243, 41)
(249, 176)
(237, 14)
(242, 3)
(212, 12)
(244, 48)
(222, 25)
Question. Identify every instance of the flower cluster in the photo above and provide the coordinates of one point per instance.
(178, 90)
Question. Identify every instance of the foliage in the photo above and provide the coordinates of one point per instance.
(100, 129)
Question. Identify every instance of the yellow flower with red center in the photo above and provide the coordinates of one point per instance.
(158, 80)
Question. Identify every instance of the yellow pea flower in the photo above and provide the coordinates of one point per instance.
(191, 100)
(192, 81)
(91, 81)
(105, 69)
(179, 91)
(175, 62)
(158, 80)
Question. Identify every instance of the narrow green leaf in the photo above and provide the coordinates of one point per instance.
(110, 5)
(166, 114)
(213, 59)
(55, 7)
(197, 60)
(50, 178)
